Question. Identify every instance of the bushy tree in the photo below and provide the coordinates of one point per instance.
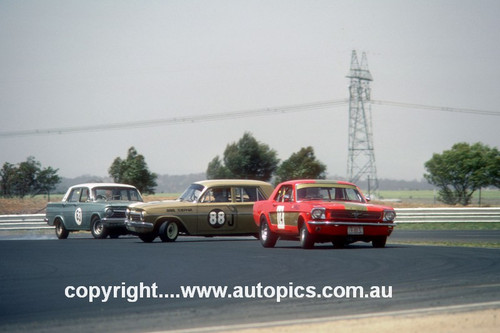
(245, 159)
(462, 170)
(8, 176)
(301, 165)
(27, 178)
(134, 171)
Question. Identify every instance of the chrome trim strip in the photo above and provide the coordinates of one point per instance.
(335, 223)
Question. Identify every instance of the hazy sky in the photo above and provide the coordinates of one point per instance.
(81, 63)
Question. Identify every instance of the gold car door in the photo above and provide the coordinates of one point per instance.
(216, 212)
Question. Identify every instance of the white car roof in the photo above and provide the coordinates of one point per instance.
(92, 185)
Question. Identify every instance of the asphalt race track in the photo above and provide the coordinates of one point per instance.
(35, 273)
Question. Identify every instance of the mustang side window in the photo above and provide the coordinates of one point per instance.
(285, 194)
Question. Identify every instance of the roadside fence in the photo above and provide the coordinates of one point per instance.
(23, 222)
(403, 215)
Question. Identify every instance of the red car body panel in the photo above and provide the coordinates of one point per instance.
(347, 216)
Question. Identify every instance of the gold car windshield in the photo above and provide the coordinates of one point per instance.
(192, 193)
(329, 193)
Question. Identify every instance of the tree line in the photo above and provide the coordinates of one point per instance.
(458, 173)
(27, 178)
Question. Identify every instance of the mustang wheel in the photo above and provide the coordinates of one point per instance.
(169, 231)
(267, 237)
(97, 228)
(379, 242)
(61, 231)
(306, 239)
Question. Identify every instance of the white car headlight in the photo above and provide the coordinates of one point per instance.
(318, 213)
(389, 215)
(109, 212)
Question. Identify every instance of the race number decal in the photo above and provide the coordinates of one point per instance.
(78, 216)
(280, 215)
(216, 218)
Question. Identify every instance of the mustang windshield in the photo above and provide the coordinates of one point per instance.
(329, 193)
(116, 193)
(192, 193)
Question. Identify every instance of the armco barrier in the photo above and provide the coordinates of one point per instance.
(23, 222)
(403, 215)
(447, 215)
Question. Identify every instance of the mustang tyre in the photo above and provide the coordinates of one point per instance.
(379, 242)
(267, 237)
(306, 239)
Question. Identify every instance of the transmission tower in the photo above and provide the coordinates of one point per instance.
(361, 159)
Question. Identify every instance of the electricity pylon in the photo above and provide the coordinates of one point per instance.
(361, 159)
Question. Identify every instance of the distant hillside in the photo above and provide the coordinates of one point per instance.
(166, 183)
(178, 183)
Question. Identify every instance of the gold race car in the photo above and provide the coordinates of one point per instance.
(206, 208)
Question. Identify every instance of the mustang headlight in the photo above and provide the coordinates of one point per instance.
(109, 212)
(389, 215)
(318, 213)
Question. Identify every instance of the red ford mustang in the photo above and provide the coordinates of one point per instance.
(321, 211)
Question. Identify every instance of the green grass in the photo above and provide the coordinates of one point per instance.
(444, 243)
(490, 197)
(449, 226)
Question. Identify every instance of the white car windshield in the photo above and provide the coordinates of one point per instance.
(116, 194)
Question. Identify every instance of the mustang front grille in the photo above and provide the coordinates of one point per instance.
(355, 215)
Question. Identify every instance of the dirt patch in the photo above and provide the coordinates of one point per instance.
(37, 205)
(22, 206)
(483, 321)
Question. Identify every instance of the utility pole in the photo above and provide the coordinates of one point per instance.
(361, 157)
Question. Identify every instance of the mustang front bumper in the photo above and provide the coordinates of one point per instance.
(139, 227)
(337, 223)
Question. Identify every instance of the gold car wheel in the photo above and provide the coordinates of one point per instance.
(169, 231)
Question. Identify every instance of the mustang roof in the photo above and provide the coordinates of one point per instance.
(317, 181)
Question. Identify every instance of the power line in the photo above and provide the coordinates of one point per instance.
(262, 112)
(178, 120)
(438, 108)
